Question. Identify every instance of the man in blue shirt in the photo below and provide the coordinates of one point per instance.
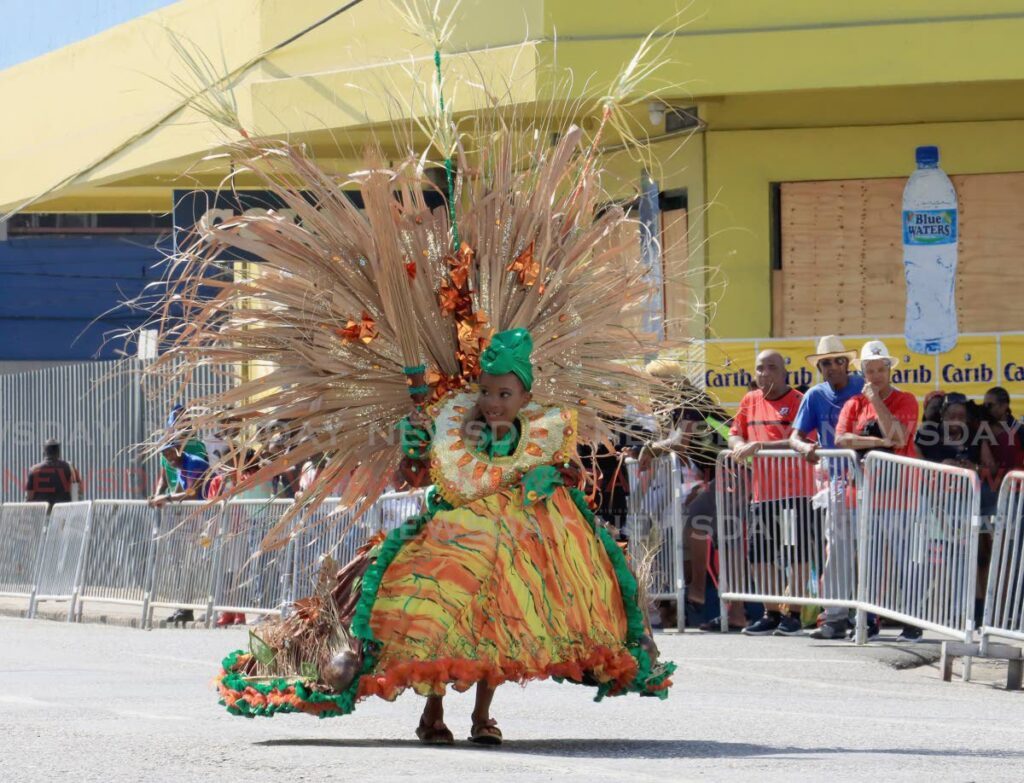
(819, 414)
(819, 411)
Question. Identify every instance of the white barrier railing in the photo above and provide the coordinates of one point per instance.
(1004, 600)
(249, 579)
(184, 560)
(778, 515)
(22, 527)
(190, 555)
(654, 517)
(63, 555)
(117, 564)
(919, 542)
(915, 561)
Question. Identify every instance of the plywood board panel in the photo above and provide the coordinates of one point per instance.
(681, 306)
(842, 256)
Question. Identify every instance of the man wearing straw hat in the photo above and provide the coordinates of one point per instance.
(819, 413)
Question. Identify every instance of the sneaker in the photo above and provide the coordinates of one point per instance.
(763, 627)
(715, 626)
(789, 626)
(872, 631)
(910, 634)
(833, 629)
(181, 616)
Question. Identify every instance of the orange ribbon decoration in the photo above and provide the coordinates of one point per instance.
(364, 331)
(459, 266)
(441, 384)
(526, 267)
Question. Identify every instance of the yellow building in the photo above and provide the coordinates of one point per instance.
(807, 117)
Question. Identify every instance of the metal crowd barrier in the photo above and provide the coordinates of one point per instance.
(62, 558)
(184, 558)
(117, 564)
(654, 516)
(190, 555)
(248, 579)
(787, 534)
(22, 528)
(1004, 600)
(787, 529)
(332, 533)
(919, 543)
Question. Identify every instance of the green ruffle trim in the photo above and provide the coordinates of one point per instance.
(649, 681)
(343, 703)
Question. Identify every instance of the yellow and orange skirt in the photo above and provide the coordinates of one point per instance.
(493, 591)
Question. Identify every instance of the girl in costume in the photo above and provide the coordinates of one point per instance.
(518, 285)
(505, 577)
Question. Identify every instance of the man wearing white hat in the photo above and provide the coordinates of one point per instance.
(882, 417)
(819, 413)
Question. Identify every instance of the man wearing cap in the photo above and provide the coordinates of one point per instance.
(50, 481)
(882, 418)
(819, 413)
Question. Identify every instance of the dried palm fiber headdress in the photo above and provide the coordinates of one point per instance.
(354, 310)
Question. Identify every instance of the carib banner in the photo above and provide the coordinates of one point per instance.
(976, 364)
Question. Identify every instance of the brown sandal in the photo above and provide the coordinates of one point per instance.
(486, 733)
(436, 734)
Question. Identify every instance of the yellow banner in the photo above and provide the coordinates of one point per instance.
(1011, 363)
(916, 372)
(971, 367)
(729, 370)
(975, 365)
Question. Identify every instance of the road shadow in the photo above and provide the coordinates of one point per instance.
(643, 749)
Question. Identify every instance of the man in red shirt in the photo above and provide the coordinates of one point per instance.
(882, 418)
(781, 492)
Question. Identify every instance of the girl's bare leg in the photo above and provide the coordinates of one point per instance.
(482, 708)
(433, 711)
(485, 728)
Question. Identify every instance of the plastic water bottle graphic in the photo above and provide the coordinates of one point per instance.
(929, 256)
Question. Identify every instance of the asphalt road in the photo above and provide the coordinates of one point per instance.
(102, 703)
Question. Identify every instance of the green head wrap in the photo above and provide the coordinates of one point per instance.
(510, 352)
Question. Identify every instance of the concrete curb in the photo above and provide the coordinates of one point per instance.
(95, 619)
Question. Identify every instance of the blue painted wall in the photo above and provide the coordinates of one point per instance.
(52, 289)
(30, 28)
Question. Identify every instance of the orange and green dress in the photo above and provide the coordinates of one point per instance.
(505, 577)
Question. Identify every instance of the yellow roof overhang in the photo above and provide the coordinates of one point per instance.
(99, 128)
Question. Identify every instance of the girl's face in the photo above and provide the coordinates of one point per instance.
(501, 398)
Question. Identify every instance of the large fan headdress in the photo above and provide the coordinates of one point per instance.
(355, 309)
